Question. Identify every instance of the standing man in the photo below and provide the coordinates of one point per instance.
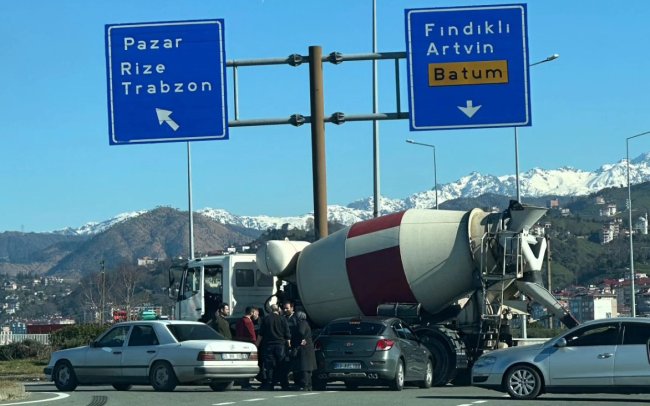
(290, 359)
(274, 338)
(220, 324)
(245, 331)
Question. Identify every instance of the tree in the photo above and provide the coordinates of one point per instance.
(128, 279)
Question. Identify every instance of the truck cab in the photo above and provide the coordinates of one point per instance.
(199, 285)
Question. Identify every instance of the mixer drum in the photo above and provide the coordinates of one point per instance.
(416, 256)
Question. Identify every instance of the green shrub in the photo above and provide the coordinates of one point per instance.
(28, 349)
(75, 335)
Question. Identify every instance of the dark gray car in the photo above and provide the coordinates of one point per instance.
(371, 351)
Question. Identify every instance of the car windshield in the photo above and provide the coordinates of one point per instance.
(354, 328)
(186, 332)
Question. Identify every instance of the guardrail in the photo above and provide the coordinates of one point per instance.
(8, 338)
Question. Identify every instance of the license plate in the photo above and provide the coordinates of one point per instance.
(347, 365)
(233, 355)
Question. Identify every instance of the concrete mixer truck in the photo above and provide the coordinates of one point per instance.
(455, 276)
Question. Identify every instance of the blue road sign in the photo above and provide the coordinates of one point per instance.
(166, 82)
(468, 67)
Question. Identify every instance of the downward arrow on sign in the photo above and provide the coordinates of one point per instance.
(469, 110)
(163, 117)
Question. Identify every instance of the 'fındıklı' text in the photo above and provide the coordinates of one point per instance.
(154, 69)
(451, 32)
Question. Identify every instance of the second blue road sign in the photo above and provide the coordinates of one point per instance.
(468, 67)
(166, 82)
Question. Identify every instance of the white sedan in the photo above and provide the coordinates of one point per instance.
(162, 353)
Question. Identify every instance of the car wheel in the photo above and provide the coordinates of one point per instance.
(523, 382)
(398, 381)
(351, 385)
(64, 377)
(221, 386)
(428, 376)
(122, 386)
(162, 377)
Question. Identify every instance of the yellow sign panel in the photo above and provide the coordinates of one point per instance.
(468, 73)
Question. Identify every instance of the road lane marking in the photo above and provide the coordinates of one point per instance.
(57, 396)
(285, 396)
(309, 394)
(254, 399)
(480, 401)
(223, 403)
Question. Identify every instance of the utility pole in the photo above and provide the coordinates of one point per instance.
(103, 298)
(548, 274)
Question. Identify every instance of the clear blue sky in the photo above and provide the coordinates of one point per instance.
(58, 170)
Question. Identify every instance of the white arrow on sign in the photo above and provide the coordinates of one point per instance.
(469, 110)
(163, 117)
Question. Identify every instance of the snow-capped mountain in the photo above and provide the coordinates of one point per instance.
(536, 182)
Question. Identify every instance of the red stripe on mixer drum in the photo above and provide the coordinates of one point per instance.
(380, 223)
(378, 277)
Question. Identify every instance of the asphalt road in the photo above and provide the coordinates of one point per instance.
(336, 395)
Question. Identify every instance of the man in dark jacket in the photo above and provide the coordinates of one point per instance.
(220, 324)
(274, 338)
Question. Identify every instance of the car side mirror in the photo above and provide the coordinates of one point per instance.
(560, 343)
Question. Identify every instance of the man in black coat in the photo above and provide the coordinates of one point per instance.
(274, 338)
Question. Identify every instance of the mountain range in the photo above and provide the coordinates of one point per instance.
(162, 233)
(535, 183)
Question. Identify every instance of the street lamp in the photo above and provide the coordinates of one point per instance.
(548, 59)
(435, 171)
(629, 202)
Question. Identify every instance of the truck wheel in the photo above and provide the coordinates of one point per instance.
(523, 382)
(64, 377)
(442, 360)
(397, 383)
(428, 376)
(162, 377)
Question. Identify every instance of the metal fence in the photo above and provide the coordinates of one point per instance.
(8, 338)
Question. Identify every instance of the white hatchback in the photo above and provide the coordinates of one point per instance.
(160, 353)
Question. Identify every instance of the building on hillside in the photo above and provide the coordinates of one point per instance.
(554, 204)
(593, 306)
(18, 327)
(565, 212)
(608, 211)
(600, 200)
(610, 231)
(624, 299)
(146, 261)
(641, 225)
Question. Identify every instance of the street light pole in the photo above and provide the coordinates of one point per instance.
(524, 318)
(435, 171)
(629, 202)
(548, 59)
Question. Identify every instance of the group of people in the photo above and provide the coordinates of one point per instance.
(284, 343)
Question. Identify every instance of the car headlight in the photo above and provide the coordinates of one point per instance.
(485, 361)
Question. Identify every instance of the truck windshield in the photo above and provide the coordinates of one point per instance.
(187, 332)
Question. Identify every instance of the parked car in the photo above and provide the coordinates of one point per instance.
(600, 356)
(371, 351)
(160, 353)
